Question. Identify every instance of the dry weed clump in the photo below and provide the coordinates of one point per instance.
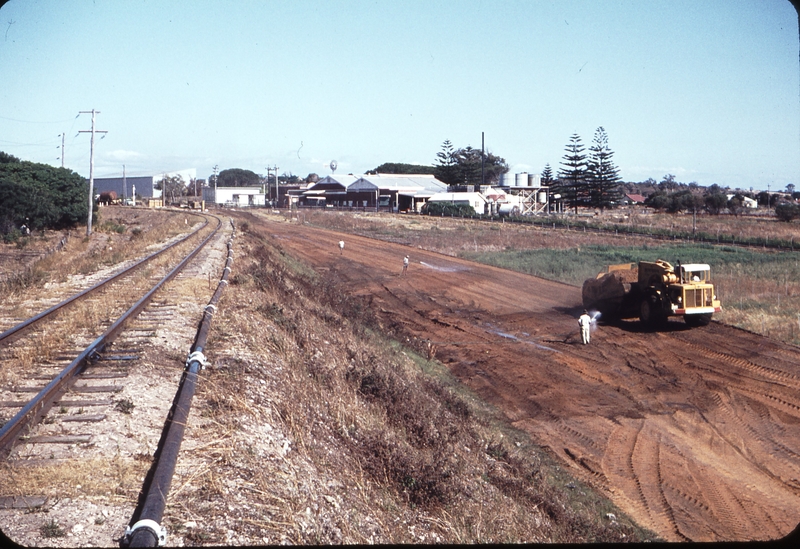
(322, 431)
(115, 478)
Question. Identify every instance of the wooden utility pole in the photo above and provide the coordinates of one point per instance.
(483, 177)
(215, 184)
(91, 168)
(275, 168)
(62, 150)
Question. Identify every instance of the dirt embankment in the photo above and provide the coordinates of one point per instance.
(694, 432)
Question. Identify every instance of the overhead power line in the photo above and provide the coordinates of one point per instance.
(37, 121)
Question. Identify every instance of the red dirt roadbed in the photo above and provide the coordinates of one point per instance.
(695, 433)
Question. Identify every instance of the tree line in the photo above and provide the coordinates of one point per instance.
(671, 196)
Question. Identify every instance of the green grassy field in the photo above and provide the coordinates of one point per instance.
(574, 265)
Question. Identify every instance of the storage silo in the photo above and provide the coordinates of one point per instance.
(522, 179)
(506, 179)
(542, 197)
(534, 180)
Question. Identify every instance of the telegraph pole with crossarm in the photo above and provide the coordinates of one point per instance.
(91, 168)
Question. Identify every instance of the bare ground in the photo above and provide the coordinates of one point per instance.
(695, 433)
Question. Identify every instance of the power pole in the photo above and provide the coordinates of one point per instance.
(274, 167)
(215, 184)
(91, 168)
(124, 185)
(483, 179)
(269, 185)
(62, 150)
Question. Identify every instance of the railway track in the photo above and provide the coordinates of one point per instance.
(99, 396)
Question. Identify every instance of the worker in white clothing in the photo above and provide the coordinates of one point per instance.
(405, 264)
(341, 247)
(585, 322)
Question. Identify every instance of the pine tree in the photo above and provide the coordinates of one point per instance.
(571, 183)
(602, 175)
(446, 168)
(547, 176)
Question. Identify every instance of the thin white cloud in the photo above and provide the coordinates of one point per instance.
(121, 154)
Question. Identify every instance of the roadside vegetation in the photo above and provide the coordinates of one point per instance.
(53, 256)
(339, 435)
(759, 286)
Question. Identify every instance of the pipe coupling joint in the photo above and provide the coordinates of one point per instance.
(198, 357)
(158, 530)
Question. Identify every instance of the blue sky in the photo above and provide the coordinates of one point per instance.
(708, 91)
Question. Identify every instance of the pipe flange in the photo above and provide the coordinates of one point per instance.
(199, 357)
(210, 309)
(158, 530)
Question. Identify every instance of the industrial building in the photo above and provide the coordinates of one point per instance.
(141, 186)
(393, 192)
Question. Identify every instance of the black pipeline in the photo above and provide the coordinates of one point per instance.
(147, 532)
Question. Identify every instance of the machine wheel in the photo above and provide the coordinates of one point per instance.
(697, 320)
(650, 311)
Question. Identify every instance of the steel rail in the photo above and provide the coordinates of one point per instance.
(40, 404)
(144, 529)
(8, 334)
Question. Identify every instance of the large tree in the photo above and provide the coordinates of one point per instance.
(493, 168)
(571, 183)
(40, 196)
(237, 177)
(399, 167)
(715, 199)
(172, 188)
(603, 175)
(446, 167)
(468, 167)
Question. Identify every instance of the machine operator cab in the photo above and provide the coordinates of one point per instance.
(694, 272)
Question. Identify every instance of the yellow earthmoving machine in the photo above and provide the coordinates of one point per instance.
(654, 291)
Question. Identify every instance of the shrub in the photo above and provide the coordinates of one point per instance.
(787, 211)
(446, 208)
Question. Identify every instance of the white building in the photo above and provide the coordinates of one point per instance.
(235, 197)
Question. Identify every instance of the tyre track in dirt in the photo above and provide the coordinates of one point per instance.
(693, 432)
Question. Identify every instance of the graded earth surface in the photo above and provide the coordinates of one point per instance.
(693, 432)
